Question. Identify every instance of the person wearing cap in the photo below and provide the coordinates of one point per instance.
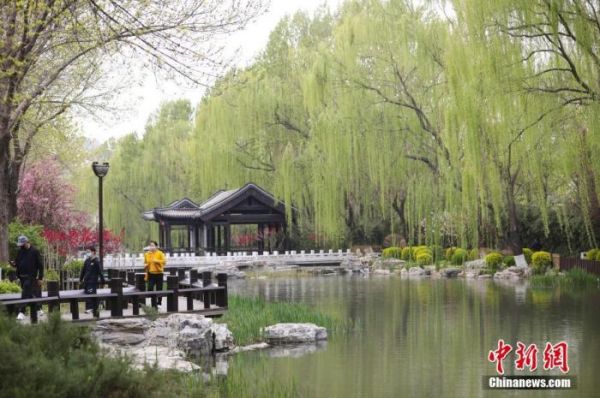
(30, 270)
(90, 273)
(154, 264)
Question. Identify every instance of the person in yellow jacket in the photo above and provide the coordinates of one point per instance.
(154, 265)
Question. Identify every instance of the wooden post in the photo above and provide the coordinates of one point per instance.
(173, 298)
(131, 278)
(181, 274)
(116, 306)
(113, 273)
(135, 301)
(193, 276)
(173, 271)
(140, 282)
(190, 301)
(74, 304)
(221, 299)
(206, 280)
(53, 292)
(33, 312)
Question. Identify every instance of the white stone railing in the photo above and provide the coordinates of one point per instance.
(136, 260)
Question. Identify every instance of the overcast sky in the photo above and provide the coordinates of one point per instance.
(148, 97)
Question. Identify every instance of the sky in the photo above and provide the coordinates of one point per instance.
(148, 96)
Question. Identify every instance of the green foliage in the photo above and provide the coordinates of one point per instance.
(449, 253)
(509, 261)
(598, 256)
(9, 287)
(541, 261)
(438, 253)
(73, 266)
(473, 254)
(245, 317)
(51, 275)
(424, 258)
(6, 268)
(592, 254)
(459, 256)
(574, 278)
(528, 253)
(392, 252)
(406, 254)
(33, 232)
(493, 261)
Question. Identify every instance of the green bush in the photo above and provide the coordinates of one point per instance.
(75, 266)
(424, 258)
(390, 252)
(592, 254)
(32, 232)
(598, 256)
(541, 261)
(449, 253)
(493, 261)
(509, 261)
(51, 275)
(437, 252)
(9, 287)
(459, 256)
(527, 253)
(473, 254)
(406, 254)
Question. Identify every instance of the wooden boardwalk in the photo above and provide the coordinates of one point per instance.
(122, 299)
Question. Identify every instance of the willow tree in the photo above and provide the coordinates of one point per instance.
(52, 53)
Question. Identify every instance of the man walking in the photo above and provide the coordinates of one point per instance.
(30, 271)
(91, 271)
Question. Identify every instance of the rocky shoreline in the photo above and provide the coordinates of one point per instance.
(190, 342)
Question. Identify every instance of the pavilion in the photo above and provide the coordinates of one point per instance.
(244, 219)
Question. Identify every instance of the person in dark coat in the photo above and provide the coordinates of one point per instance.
(90, 273)
(30, 271)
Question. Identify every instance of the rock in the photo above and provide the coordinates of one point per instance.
(251, 347)
(162, 357)
(126, 325)
(121, 338)
(435, 275)
(484, 276)
(451, 272)
(416, 271)
(222, 337)
(429, 268)
(475, 264)
(471, 274)
(392, 262)
(194, 341)
(294, 333)
(380, 271)
(506, 274)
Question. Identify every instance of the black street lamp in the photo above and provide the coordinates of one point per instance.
(101, 170)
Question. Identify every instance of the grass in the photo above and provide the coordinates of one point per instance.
(574, 278)
(59, 359)
(246, 317)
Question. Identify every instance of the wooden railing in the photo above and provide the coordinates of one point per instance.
(590, 266)
(132, 291)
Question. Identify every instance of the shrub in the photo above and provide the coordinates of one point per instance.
(74, 266)
(33, 232)
(473, 254)
(598, 256)
(459, 256)
(437, 252)
(592, 254)
(424, 258)
(9, 287)
(51, 275)
(509, 261)
(393, 240)
(449, 253)
(493, 261)
(406, 254)
(527, 253)
(541, 261)
(392, 252)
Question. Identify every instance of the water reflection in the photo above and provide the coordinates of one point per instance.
(427, 337)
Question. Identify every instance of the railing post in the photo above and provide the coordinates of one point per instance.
(222, 294)
(140, 282)
(116, 306)
(181, 273)
(193, 276)
(33, 312)
(173, 298)
(53, 292)
(131, 278)
(173, 271)
(206, 281)
(74, 304)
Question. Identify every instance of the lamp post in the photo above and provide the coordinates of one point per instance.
(100, 170)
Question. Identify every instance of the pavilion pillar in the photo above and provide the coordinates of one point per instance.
(219, 247)
(227, 233)
(168, 237)
(161, 237)
(261, 237)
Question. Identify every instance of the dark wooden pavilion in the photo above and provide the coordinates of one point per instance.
(186, 226)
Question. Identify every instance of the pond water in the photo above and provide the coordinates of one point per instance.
(427, 338)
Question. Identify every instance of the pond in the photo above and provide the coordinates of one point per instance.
(427, 338)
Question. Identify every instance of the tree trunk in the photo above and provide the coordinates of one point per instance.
(5, 189)
(513, 236)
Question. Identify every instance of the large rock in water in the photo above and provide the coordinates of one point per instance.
(451, 272)
(294, 333)
(416, 271)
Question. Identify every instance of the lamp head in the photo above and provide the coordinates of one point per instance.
(100, 169)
